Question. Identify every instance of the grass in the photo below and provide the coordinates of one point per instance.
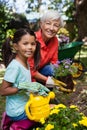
(83, 58)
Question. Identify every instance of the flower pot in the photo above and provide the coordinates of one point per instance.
(68, 80)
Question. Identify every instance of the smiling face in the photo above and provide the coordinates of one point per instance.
(26, 46)
(49, 28)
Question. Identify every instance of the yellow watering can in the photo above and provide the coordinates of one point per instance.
(38, 106)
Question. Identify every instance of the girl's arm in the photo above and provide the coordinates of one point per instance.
(7, 89)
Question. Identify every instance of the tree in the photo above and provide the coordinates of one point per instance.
(10, 20)
(81, 17)
(5, 16)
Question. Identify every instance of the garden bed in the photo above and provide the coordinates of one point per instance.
(78, 98)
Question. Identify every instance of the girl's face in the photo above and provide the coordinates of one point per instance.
(49, 28)
(26, 46)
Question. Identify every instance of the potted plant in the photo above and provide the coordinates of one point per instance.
(63, 71)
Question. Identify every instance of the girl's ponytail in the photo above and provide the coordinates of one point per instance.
(7, 53)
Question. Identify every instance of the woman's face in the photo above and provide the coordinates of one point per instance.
(49, 28)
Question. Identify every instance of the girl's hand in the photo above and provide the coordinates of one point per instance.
(34, 87)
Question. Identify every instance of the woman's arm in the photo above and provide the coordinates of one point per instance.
(39, 77)
(7, 89)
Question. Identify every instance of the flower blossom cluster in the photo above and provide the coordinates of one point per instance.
(64, 68)
(64, 118)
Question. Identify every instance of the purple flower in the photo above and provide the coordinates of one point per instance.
(56, 65)
(63, 39)
(66, 66)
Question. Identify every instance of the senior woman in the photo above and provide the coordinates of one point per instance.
(50, 23)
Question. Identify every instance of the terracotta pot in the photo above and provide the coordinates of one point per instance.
(68, 80)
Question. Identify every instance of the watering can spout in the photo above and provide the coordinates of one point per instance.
(51, 95)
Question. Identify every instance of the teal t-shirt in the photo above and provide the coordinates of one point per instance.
(16, 74)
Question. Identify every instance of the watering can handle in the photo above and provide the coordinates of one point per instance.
(27, 110)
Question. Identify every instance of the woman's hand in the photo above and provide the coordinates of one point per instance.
(50, 83)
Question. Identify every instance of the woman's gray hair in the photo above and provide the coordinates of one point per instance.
(52, 14)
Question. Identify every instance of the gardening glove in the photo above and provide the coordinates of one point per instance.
(62, 86)
(59, 83)
(52, 82)
(34, 87)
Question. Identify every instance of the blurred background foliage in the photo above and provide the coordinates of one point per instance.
(5, 16)
(73, 11)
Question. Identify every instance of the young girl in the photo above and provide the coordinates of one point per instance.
(15, 53)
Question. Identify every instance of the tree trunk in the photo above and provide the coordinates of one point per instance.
(81, 17)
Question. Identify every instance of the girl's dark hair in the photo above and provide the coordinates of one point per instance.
(7, 52)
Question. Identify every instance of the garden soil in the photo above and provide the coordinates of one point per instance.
(78, 98)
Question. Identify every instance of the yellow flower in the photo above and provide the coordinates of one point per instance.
(10, 33)
(11, 36)
(59, 106)
(63, 31)
(81, 114)
(83, 121)
(37, 128)
(49, 127)
(42, 121)
(74, 124)
(54, 111)
(73, 106)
